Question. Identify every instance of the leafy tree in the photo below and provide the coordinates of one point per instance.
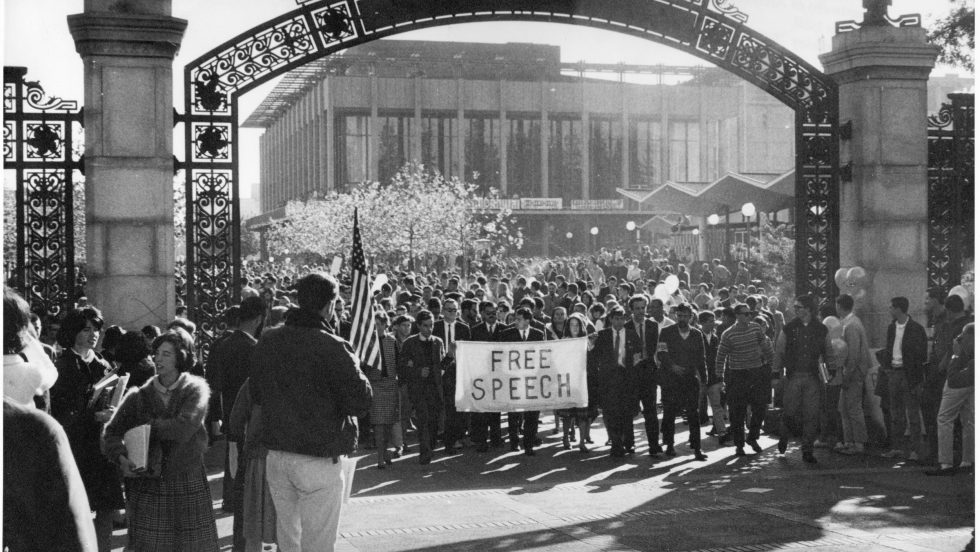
(418, 214)
(955, 35)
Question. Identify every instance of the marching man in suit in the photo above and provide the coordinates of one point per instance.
(618, 351)
(451, 330)
(522, 331)
(646, 370)
(485, 423)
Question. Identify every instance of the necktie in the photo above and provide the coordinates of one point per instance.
(642, 340)
(618, 358)
(452, 338)
(524, 336)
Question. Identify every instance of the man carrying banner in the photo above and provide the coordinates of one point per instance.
(618, 351)
(420, 365)
(683, 368)
(486, 422)
(522, 331)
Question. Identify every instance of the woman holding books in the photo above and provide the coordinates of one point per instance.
(80, 402)
(168, 494)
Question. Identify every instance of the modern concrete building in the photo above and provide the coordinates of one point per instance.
(570, 146)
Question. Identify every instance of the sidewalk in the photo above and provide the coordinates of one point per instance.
(570, 501)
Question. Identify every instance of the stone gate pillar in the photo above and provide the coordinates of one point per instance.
(882, 72)
(128, 48)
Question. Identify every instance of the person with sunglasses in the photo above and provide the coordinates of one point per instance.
(744, 355)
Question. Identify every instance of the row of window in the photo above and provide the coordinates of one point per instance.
(482, 152)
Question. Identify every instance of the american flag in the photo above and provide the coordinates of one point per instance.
(363, 335)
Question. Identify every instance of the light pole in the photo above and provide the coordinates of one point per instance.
(595, 237)
(631, 227)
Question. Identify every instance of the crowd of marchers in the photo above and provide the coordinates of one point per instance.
(282, 385)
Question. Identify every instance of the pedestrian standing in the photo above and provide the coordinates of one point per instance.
(385, 410)
(800, 350)
(646, 371)
(451, 330)
(903, 359)
(958, 402)
(618, 351)
(310, 388)
(420, 366)
(526, 421)
(855, 369)
(682, 369)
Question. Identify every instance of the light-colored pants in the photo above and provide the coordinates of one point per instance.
(903, 409)
(308, 492)
(955, 403)
(851, 408)
(717, 411)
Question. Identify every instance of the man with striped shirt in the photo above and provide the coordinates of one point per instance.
(744, 361)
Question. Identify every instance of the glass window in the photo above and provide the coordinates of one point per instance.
(565, 159)
(482, 152)
(605, 158)
(395, 145)
(524, 158)
(439, 144)
(352, 150)
(645, 154)
(685, 161)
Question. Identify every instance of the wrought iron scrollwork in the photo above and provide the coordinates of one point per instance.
(951, 193)
(37, 148)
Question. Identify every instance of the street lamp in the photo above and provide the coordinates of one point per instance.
(568, 235)
(594, 231)
(748, 210)
(630, 226)
(695, 231)
(713, 220)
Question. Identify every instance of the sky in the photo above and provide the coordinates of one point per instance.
(36, 36)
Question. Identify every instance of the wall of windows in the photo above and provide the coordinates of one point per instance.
(605, 157)
(523, 157)
(565, 159)
(439, 143)
(352, 147)
(685, 160)
(645, 162)
(395, 145)
(481, 149)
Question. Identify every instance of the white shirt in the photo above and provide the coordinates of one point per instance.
(621, 353)
(897, 348)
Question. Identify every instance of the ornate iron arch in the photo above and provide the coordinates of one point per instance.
(709, 29)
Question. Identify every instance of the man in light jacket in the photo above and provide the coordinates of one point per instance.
(855, 369)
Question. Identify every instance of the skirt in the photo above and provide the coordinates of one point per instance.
(172, 514)
(258, 510)
(385, 406)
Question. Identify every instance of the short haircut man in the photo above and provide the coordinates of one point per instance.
(900, 303)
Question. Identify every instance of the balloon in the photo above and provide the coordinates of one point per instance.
(857, 277)
(379, 280)
(860, 294)
(832, 323)
(672, 282)
(840, 348)
(963, 293)
(660, 292)
(840, 277)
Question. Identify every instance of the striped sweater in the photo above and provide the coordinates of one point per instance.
(743, 348)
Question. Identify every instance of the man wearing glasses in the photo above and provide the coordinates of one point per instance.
(451, 330)
(800, 350)
(744, 357)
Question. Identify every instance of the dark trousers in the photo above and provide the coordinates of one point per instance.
(526, 420)
(831, 430)
(932, 397)
(455, 420)
(647, 381)
(747, 388)
(619, 426)
(428, 406)
(682, 398)
(484, 424)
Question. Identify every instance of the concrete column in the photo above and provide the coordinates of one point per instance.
(328, 174)
(882, 72)
(416, 153)
(128, 53)
(460, 128)
(624, 173)
(543, 140)
(586, 139)
(374, 140)
(504, 136)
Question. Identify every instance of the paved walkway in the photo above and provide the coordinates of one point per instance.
(569, 501)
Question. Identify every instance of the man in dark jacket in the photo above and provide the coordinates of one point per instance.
(528, 421)
(683, 367)
(451, 330)
(486, 423)
(420, 367)
(904, 361)
(618, 351)
(800, 350)
(227, 371)
(310, 387)
(648, 332)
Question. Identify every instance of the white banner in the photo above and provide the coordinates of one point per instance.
(514, 377)
(544, 203)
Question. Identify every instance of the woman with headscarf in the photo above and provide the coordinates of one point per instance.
(44, 502)
(80, 368)
(170, 498)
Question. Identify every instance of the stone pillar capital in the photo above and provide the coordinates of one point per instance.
(126, 34)
(880, 52)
